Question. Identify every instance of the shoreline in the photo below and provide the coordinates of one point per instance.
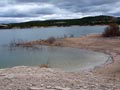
(59, 44)
(108, 61)
(66, 42)
(92, 42)
(51, 27)
(106, 76)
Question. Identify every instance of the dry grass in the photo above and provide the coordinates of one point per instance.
(51, 40)
(44, 66)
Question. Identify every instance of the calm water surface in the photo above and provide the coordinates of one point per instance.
(55, 57)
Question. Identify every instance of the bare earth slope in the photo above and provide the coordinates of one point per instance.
(106, 77)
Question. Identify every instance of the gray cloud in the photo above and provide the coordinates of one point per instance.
(26, 10)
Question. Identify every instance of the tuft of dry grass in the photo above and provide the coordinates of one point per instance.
(51, 40)
(44, 66)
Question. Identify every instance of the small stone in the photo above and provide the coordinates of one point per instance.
(35, 88)
(42, 85)
(85, 87)
(9, 89)
(48, 87)
(28, 84)
(60, 88)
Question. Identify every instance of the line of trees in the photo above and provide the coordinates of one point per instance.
(97, 20)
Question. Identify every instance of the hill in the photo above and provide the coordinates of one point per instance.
(93, 20)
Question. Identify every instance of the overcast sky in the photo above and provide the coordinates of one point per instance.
(27, 10)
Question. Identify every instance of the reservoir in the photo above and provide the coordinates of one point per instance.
(69, 59)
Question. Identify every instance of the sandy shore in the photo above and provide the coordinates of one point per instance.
(106, 77)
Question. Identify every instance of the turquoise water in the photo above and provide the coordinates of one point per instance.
(55, 57)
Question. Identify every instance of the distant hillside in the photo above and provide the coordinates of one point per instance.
(96, 20)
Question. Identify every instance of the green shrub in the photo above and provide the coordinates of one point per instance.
(111, 31)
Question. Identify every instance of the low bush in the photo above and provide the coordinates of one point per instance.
(71, 36)
(51, 40)
(44, 66)
(111, 31)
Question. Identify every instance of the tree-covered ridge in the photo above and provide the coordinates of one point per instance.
(96, 20)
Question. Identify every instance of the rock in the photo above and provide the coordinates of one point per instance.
(42, 85)
(35, 88)
(85, 87)
(60, 88)
(9, 89)
(49, 87)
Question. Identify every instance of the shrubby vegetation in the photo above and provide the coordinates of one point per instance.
(44, 66)
(112, 30)
(51, 40)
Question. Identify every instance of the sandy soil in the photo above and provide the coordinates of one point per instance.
(106, 77)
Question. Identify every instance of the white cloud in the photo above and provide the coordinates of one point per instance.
(26, 10)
